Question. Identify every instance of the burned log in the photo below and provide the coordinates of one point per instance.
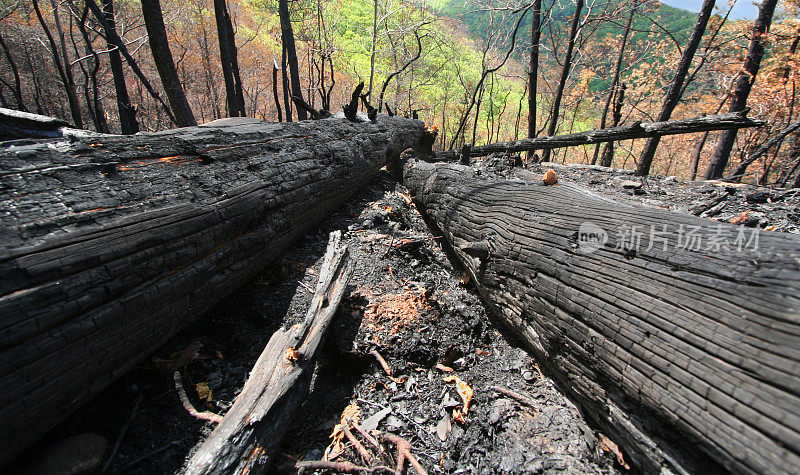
(638, 130)
(247, 437)
(109, 245)
(679, 336)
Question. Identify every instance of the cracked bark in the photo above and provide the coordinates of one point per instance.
(109, 245)
(688, 358)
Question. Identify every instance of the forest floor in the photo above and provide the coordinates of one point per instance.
(409, 304)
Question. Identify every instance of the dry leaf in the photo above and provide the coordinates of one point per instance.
(740, 218)
(457, 416)
(204, 391)
(444, 368)
(607, 445)
(463, 390)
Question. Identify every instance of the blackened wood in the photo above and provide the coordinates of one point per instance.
(162, 56)
(735, 120)
(110, 245)
(229, 59)
(676, 88)
(127, 111)
(687, 356)
(287, 38)
(741, 89)
(246, 439)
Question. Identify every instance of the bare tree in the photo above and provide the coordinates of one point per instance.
(162, 56)
(573, 34)
(615, 80)
(533, 67)
(744, 83)
(63, 70)
(229, 60)
(674, 94)
(287, 37)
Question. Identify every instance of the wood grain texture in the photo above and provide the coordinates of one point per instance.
(108, 246)
(687, 357)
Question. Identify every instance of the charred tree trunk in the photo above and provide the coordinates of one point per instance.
(613, 89)
(674, 93)
(287, 102)
(112, 244)
(743, 85)
(287, 37)
(162, 56)
(608, 150)
(685, 349)
(533, 67)
(63, 70)
(127, 112)
(562, 83)
(229, 59)
(17, 90)
(275, 89)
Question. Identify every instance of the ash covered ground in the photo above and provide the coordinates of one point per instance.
(408, 304)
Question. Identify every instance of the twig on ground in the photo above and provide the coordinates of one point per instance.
(391, 243)
(205, 415)
(382, 361)
(362, 451)
(515, 395)
(122, 432)
(403, 453)
(366, 435)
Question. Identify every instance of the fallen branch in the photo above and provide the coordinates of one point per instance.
(403, 453)
(249, 434)
(516, 396)
(732, 120)
(205, 415)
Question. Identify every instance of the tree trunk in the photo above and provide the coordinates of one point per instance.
(614, 81)
(162, 56)
(533, 67)
(275, 89)
(229, 59)
(573, 34)
(17, 91)
(674, 94)
(683, 345)
(112, 244)
(63, 70)
(287, 102)
(287, 37)
(608, 151)
(744, 83)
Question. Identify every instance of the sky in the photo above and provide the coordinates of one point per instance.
(744, 9)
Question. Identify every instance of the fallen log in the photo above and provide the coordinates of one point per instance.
(247, 437)
(682, 346)
(109, 245)
(638, 130)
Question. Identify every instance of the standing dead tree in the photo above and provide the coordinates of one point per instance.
(486, 72)
(744, 82)
(573, 34)
(229, 59)
(674, 93)
(162, 56)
